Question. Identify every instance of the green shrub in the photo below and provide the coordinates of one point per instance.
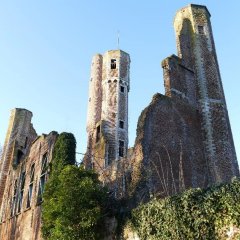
(194, 214)
(73, 197)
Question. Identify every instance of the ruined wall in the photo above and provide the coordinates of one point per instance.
(20, 209)
(184, 138)
(20, 133)
(168, 153)
(179, 81)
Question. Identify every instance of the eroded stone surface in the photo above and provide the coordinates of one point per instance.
(24, 172)
(107, 124)
(184, 138)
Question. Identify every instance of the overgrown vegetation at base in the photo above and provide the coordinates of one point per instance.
(73, 197)
(74, 206)
(213, 213)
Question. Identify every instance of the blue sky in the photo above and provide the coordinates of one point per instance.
(46, 49)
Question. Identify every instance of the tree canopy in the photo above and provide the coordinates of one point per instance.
(73, 197)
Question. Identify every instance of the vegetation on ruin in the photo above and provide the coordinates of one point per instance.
(74, 200)
(74, 206)
(213, 213)
(63, 152)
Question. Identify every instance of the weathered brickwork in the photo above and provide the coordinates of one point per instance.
(95, 93)
(24, 172)
(217, 137)
(179, 81)
(168, 154)
(108, 100)
(184, 138)
(20, 132)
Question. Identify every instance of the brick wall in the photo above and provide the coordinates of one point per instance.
(20, 209)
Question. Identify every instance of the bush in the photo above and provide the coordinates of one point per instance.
(194, 214)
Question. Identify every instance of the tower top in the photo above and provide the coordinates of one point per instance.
(112, 51)
(116, 50)
(191, 6)
(199, 6)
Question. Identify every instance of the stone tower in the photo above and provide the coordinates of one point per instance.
(184, 138)
(107, 122)
(196, 49)
(19, 135)
(23, 174)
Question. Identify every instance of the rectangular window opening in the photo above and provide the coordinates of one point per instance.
(121, 124)
(113, 64)
(20, 197)
(98, 133)
(42, 180)
(19, 156)
(110, 156)
(122, 89)
(29, 197)
(14, 199)
(26, 142)
(201, 30)
(121, 148)
(30, 189)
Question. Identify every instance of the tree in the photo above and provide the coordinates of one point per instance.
(73, 197)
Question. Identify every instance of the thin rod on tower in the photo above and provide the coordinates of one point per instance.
(118, 39)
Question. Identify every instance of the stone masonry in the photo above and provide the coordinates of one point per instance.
(23, 173)
(184, 137)
(107, 122)
(196, 48)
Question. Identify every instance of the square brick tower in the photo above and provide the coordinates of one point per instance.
(196, 49)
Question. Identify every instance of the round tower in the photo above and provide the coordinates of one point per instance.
(115, 86)
(107, 123)
(95, 93)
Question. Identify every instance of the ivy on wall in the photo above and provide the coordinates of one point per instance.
(213, 213)
(73, 205)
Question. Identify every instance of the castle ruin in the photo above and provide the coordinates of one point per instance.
(23, 174)
(183, 138)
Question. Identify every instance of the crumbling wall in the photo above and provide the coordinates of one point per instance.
(20, 208)
(19, 135)
(168, 153)
(179, 80)
(184, 138)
